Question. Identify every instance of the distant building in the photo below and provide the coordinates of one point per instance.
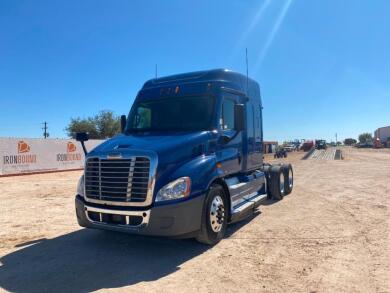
(383, 134)
(270, 146)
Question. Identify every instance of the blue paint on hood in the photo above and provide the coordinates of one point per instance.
(174, 148)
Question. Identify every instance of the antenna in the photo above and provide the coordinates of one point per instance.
(155, 72)
(247, 78)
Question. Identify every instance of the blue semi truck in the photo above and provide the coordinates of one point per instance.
(188, 162)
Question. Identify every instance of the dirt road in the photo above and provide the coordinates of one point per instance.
(332, 234)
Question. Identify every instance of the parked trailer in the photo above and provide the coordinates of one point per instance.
(189, 160)
(307, 145)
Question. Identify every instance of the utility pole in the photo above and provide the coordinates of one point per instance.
(336, 137)
(45, 133)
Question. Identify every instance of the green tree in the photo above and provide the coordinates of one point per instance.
(107, 124)
(101, 126)
(350, 141)
(365, 137)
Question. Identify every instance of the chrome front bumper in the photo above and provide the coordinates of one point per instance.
(174, 220)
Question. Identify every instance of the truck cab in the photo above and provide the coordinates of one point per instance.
(189, 160)
(321, 144)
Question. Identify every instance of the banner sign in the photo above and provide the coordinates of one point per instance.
(31, 155)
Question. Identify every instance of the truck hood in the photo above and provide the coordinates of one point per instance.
(170, 147)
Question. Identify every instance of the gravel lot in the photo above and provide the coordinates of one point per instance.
(332, 234)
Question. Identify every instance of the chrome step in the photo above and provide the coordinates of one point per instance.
(241, 210)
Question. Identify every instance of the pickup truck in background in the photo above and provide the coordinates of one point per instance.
(188, 162)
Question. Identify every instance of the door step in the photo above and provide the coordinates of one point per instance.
(243, 187)
(246, 208)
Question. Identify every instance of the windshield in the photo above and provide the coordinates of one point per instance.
(179, 114)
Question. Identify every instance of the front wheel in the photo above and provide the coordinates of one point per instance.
(214, 217)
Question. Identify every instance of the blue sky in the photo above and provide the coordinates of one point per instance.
(323, 66)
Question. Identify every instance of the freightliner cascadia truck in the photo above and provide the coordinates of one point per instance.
(188, 162)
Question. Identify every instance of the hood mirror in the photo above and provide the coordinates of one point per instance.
(82, 137)
(123, 123)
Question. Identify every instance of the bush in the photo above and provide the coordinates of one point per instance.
(350, 141)
(103, 125)
(365, 137)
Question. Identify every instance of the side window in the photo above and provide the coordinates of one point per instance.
(227, 119)
(143, 118)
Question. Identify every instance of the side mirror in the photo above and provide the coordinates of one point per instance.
(123, 123)
(239, 120)
(82, 137)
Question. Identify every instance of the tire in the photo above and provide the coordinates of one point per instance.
(277, 179)
(214, 216)
(288, 178)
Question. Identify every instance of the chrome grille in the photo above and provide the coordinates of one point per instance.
(121, 180)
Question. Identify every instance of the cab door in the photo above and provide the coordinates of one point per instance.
(229, 153)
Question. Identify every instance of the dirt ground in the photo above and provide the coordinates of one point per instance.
(332, 234)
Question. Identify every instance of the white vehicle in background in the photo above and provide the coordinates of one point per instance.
(290, 147)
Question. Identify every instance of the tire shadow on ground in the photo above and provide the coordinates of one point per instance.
(87, 260)
(233, 228)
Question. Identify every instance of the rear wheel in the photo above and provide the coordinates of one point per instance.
(277, 182)
(288, 178)
(214, 217)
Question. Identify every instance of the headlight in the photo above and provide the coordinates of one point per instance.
(176, 189)
(80, 186)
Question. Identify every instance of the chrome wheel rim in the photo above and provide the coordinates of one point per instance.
(217, 214)
(290, 178)
(281, 180)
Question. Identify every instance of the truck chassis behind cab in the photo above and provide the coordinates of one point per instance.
(188, 162)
